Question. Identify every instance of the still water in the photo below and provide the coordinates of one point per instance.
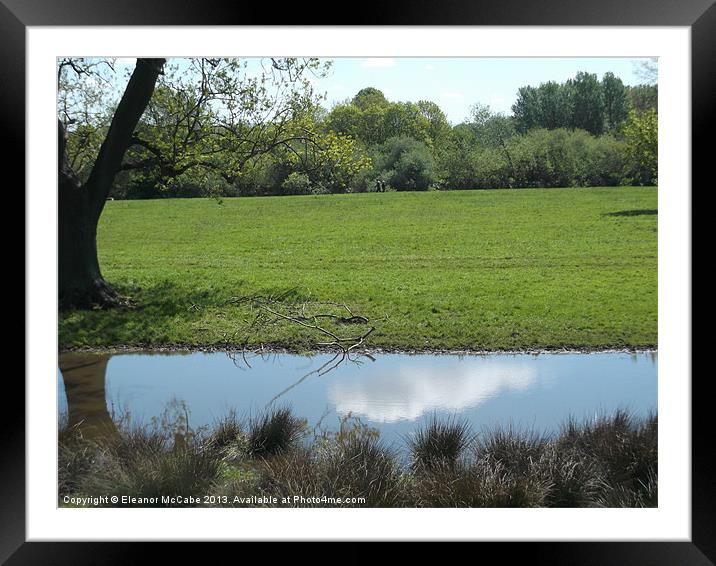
(394, 393)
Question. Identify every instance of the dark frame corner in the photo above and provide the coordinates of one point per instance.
(700, 15)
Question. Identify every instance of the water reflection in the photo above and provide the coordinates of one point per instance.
(415, 391)
(393, 393)
(84, 377)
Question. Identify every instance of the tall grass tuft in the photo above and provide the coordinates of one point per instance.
(362, 466)
(477, 484)
(349, 463)
(144, 464)
(274, 432)
(76, 459)
(623, 448)
(514, 449)
(609, 461)
(574, 479)
(227, 432)
(439, 443)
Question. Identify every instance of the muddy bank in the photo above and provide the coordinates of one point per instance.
(286, 349)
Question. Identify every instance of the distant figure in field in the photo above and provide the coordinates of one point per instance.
(379, 186)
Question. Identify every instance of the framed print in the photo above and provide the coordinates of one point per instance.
(364, 312)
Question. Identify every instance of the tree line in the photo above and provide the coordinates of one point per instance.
(212, 127)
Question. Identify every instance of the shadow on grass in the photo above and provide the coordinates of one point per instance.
(159, 308)
(639, 212)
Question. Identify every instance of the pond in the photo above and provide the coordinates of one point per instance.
(394, 393)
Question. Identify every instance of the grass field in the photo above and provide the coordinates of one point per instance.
(501, 269)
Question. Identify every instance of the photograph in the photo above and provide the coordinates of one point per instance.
(357, 282)
(426, 276)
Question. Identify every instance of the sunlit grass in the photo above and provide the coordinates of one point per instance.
(502, 269)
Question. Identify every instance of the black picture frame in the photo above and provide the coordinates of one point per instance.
(699, 15)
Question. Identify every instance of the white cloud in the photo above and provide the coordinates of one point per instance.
(412, 392)
(378, 63)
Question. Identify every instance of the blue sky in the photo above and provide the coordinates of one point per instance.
(455, 84)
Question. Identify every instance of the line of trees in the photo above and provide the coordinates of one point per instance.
(213, 127)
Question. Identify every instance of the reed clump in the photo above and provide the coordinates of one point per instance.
(271, 460)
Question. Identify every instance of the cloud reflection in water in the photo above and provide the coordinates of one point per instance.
(410, 392)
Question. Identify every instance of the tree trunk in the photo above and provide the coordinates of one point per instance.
(80, 281)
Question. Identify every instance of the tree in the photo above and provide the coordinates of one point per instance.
(85, 103)
(330, 165)
(210, 115)
(336, 161)
(80, 204)
(553, 105)
(647, 70)
(369, 96)
(346, 119)
(641, 134)
(406, 119)
(616, 104)
(493, 130)
(454, 157)
(587, 103)
(439, 127)
(526, 109)
(372, 119)
(643, 97)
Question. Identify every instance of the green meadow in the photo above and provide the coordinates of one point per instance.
(483, 270)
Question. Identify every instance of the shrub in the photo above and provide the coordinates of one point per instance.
(564, 158)
(607, 163)
(641, 132)
(414, 171)
(297, 184)
(490, 169)
(407, 164)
